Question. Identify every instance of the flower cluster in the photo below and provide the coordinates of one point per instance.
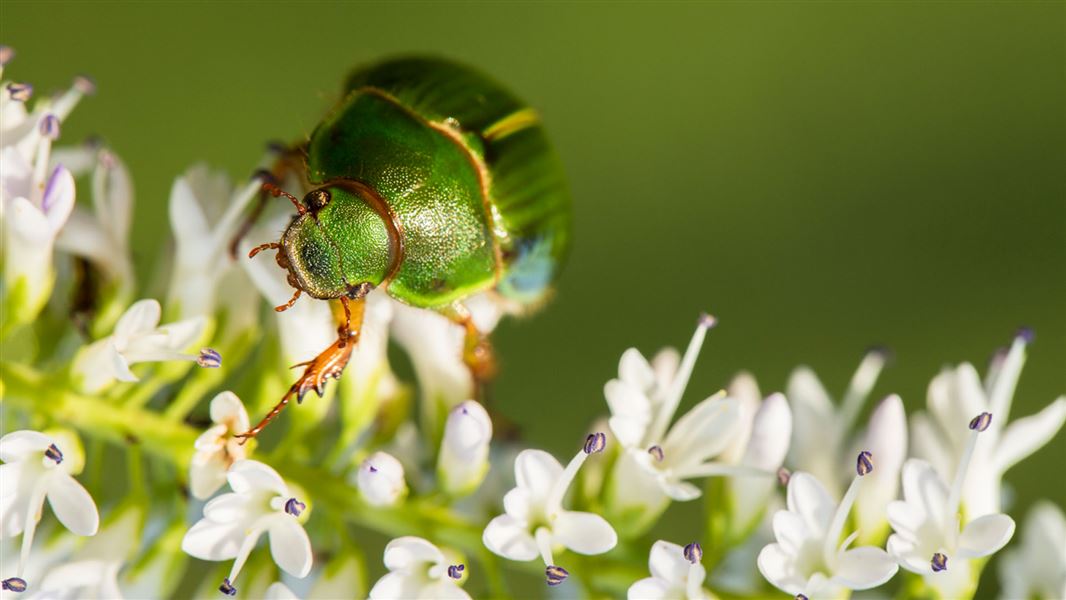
(180, 499)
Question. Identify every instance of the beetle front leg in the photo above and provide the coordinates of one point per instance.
(328, 364)
(289, 161)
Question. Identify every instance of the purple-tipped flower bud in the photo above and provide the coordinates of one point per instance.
(864, 466)
(595, 442)
(694, 553)
(801, 597)
(939, 562)
(14, 584)
(209, 359)
(1027, 334)
(556, 574)
(20, 92)
(657, 453)
(456, 571)
(707, 321)
(783, 476)
(294, 507)
(53, 453)
(49, 126)
(227, 588)
(6, 54)
(981, 421)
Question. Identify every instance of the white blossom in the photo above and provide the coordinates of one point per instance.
(418, 569)
(102, 235)
(1037, 568)
(206, 211)
(930, 537)
(218, 448)
(535, 522)
(380, 480)
(643, 401)
(93, 571)
(808, 557)
(138, 337)
(464, 451)
(33, 471)
(957, 394)
(673, 575)
(233, 523)
(280, 591)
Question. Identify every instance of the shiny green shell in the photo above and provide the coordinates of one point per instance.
(460, 167)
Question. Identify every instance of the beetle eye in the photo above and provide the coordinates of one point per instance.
(317, 199)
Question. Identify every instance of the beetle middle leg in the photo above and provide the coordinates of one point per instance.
(328, 364)
(477, 349)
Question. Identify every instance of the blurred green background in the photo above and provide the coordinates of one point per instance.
(822, 176)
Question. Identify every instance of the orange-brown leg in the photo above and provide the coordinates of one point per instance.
(328, 364)
(289, 160)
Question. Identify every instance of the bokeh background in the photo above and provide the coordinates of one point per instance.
(822, 176)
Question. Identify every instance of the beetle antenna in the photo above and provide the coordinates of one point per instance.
(277, 192)
(288, 305)
(261, 247)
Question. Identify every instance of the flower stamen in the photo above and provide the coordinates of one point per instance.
(684, 371)
(209, 358)
(864, 465)
(54, 454)
(14, 584)
(939, 562)
(555, 575)
(294, 507)
(657, 453)
(227, 588)
(19, 92)
(456, 571)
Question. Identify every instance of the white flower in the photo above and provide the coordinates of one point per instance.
(232, 524)
(673, 575)
(930, 539)
(464, 451)
(138, 337)
(821, 431)
(217, 448)
(1038, 568)
(957, 394)
(34, 470)
(380, 480)
(643, 402)
(764, 430)
(418, 569)
(809, 557)
(535, 520)
(34, 206)
(93, 572)
(206, 212)
(280, 591)
(102, 235)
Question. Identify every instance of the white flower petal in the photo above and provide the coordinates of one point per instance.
(72, 504)
(702, 433)
(58, 198)
(207, 473)
(1024, 436)
(381, 479)
(396, 586)
(584, 533)
(279, 591)
(924, 488)
(251, 475)
(229, 508)
(667, 562)
(226, 407)
(790, 531)
(410, 552)
(985, 535)
(910, 555)
(776, 566)
(886, 439)
(928, 443)
(652, 588)
(120, 366)
(19, 445)
(443, 589)
(807, 497)
(634, 369)
(290, 546)
(681, 491)
(141, 317)
(864, 568)
(537, 471)
(184, 208)
(15, 490)
(509, 538)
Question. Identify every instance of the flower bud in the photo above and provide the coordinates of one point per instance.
(464, 451)
(380, 480)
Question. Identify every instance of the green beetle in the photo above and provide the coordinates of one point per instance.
(433, 182)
